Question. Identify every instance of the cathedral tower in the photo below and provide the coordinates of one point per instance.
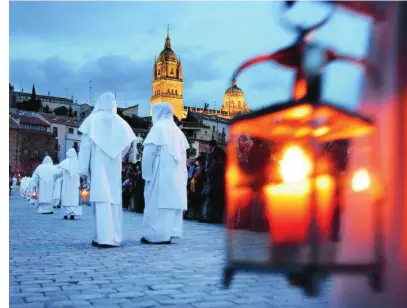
(167, 79)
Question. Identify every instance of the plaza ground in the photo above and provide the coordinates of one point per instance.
(52, 264)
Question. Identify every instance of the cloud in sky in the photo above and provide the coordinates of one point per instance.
(60, 46)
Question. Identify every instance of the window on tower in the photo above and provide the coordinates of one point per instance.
(176, 92)
(172, 71)
(158, 72)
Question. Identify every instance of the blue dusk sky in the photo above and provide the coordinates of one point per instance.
(60, 46)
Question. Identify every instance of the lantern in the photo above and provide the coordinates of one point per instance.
(290, 174)
(34, 195)
(84, 194)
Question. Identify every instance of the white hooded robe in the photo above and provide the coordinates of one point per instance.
(106, 138)
(43, 182)
(56, 199)
(68, 174)
(165, 173)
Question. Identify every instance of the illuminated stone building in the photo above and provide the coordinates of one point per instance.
(167, 79)
(234, 101)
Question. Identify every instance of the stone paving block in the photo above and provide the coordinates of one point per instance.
(28, 305)
(126, 294)
(167, 286)
(87, 296)
(71, 303)
(43, 299)
(16, 300)
(178, 301)
(109, 301)
(140, 304)
(220, 304)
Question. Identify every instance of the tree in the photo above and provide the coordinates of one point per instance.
(61, 111)
(46, 109)
(33, 104)
(70, 111)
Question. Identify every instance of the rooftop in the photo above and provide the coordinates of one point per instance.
(26, 119)
(61, 120)
(12, 123)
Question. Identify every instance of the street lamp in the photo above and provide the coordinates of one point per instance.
(297, 184)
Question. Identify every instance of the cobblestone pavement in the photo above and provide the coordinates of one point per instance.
(52, 264)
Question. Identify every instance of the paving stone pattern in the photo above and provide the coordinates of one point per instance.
(52, 264)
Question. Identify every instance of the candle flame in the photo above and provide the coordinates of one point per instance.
(295, 165)
(360, 180)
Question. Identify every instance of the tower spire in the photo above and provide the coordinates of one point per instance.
(167, 44)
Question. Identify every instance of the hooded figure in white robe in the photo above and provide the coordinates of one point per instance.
(106, 138)
(26, 187)
(14, 185)
(56, 199)
(43, 183)
(31, 193)
(68, 174)
(22, 186)
(165, 172)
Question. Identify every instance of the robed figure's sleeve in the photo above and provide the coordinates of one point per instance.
(147, 162)
(125, 151)
(58, 174)
(85, 152)
(35, 180)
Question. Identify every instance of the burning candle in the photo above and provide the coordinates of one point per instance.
(288, 211)
(289, 203)
(325, 191)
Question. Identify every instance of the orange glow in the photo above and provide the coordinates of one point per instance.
(326, 187)
(295, 165)
(232, 176)
(300, 89)
(238, 198)
(288, 211)
(299, 112)
(321, 131)
(84, 195)
(360, 180)
(34, 195)
(302, 132)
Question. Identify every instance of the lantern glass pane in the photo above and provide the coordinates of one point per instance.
(259, 205)
(287, 180)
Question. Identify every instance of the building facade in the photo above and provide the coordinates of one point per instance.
(201, 128)
(167, 85)
(30, 140)
(66, 132)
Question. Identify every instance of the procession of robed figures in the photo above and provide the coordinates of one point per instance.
(106, 139)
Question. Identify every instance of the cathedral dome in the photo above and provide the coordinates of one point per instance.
(234, 89)
(234, 101)
(167, 54)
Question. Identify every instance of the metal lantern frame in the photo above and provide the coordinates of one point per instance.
(307, 276)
